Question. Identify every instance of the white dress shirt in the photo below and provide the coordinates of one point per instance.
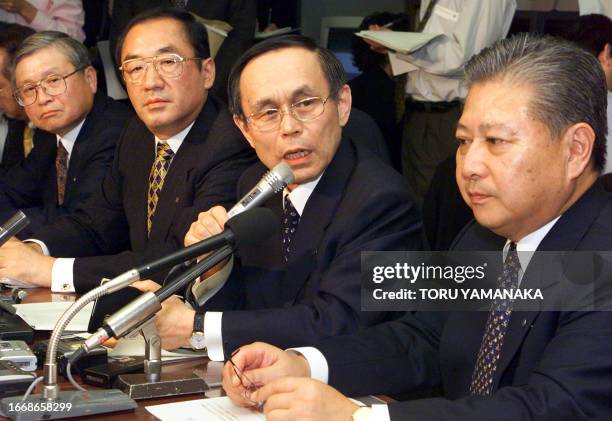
(62, 273)
(213, 336)
(435, 72)
(600, 7)
(319, 370)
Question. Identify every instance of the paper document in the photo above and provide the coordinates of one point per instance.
(214, 409)
(401, 42)
(135, 347)
(44, 316)
(217, 31)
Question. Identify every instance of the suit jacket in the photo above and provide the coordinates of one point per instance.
(359, 204)
(108, 235)
(13, 146)
(31, 185)
(240, 14)
(553, 365)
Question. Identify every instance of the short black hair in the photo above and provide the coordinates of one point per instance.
(331, 66)
(195, 31)
(591, 32)
(11, 37)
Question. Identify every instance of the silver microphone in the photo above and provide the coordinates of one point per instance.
(271, 183)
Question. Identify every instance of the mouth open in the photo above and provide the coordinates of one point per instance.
(296, 155)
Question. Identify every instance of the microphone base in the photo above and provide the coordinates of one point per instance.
(81, 404)
(136, 385)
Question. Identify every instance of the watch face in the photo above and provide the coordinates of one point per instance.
(197, 341)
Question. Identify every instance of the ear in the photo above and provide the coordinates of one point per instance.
(208, 72)
(92, 78)
(580, 138)
(244, 128)
(344, 104)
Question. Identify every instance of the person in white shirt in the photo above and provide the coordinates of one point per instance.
(530, 154)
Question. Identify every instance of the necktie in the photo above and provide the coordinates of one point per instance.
(28, 140)
(61, 170)
(291, 218)
(179, 3)
(496, 327)
(420, 24)
(159, 170)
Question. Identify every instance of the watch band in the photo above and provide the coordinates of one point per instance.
(198, 321)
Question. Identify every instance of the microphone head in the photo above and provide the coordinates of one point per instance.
(253, 226)
(280, 176)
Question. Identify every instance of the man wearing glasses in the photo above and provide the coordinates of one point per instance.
(73, 148)
(290, 100)
(183, 154)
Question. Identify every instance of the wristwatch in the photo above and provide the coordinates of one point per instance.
(197, 336)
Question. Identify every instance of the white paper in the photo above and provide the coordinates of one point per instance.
(214, 409)
(10, 282)
(401, 42)
(135, 347)
(44, 316)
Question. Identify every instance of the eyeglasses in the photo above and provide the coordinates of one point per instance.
(166, 65)
(304, 110)
(248, 385)
(53, 85)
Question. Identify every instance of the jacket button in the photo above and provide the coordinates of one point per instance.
(74, 179)
(524, 322)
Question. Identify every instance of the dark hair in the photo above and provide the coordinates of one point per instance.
(330, 65)
(195, 31)
(11, 36)
(363, 57)
(591, 32)
(568, 83)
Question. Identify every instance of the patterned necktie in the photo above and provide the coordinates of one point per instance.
(496, 327)
(61, 170)
(28, 140)
(156, 179)
(179, 3)
(291, 218)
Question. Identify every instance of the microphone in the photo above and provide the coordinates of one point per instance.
(271, 183)
(245, 229)
(251, 227)
(11, 227)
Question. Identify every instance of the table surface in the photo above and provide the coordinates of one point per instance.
(140, 413)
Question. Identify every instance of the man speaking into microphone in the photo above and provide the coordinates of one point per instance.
(290, 100)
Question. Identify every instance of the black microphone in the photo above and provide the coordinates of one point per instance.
(246, 229)
(11, 227)
(271, 183)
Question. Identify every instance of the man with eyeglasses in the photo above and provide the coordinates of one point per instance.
(290, 100)
(77, 129)
(181, 155)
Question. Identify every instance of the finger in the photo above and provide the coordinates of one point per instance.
(146, 286)
(220, 215)
(110, 343)
(279, 401)
(282, 385)
(279, 415)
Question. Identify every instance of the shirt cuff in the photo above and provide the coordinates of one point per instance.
(43, 246)
(62, 279)
(380, 412)
(319, 369)
(213, 337)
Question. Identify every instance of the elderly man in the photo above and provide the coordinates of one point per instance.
(531, 146)
(183, 154)
(303, 284)
(78, 128)
(16, 135)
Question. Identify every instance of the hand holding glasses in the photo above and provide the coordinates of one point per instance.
(247, 384)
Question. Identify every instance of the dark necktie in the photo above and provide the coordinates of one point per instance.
(496, 327)
(61, 169)
(179, 3)
(291, 218)
(420, 24)
(159, 170)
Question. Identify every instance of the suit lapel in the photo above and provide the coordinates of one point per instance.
(565, 235)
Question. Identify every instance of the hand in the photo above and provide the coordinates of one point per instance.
(174, 321)
(375, 46)
(292, 398)
(209, 223)
(25, 262)
(21, 7)
(260, 363)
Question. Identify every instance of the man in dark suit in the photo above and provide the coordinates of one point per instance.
(13, 119)
(76, 136)
(531, 142)
(180, 156)
(240, 14)
(303, 284)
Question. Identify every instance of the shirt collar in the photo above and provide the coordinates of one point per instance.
(70, 137)
(530, 243)
(176, 141)
(300, 195)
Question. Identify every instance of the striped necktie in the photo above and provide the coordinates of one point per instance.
(496, 327)
(159, 170)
